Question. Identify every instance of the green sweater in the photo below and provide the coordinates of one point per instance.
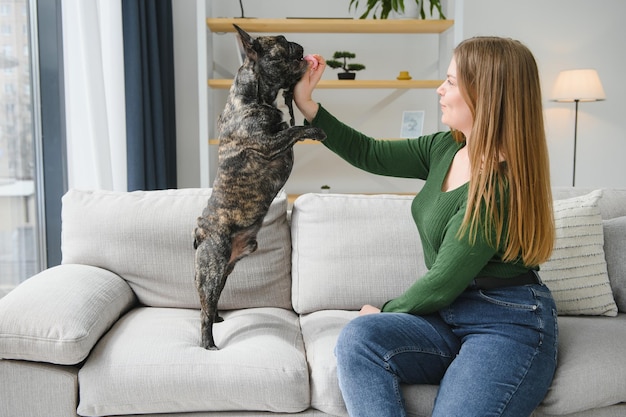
(452, 262)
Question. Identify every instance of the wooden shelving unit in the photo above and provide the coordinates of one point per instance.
(302, 142)
(330, 25)
(350, 26)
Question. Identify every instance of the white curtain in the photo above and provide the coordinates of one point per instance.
(94, 94)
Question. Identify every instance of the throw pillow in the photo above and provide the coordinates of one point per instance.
(58, 315)
(615, 253)
(576, 273)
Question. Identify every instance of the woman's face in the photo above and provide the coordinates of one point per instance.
(454, 109)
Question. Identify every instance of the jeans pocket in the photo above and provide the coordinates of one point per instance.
(520, 298)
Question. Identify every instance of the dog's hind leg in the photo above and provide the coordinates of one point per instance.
(215, 260)
(212, 269)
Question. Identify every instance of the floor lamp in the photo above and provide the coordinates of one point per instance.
(576, 86)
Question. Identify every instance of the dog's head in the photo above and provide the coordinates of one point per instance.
(274, 60)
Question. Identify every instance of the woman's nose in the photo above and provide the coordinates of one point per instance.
(440, 89)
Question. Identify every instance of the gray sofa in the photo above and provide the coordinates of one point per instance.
(114, 330)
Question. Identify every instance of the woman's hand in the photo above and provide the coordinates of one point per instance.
(303, 91)
(368, 309)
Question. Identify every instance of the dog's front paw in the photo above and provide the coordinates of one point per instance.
(315, 133)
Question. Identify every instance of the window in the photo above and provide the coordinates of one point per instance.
(19, 226)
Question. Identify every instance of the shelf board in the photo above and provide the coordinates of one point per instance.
(330, 25)
(302, 142)
(292, 197)
(353, 84)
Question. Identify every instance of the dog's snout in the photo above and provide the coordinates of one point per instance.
(295, 50)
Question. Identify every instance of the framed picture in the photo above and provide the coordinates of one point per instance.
(412, 124)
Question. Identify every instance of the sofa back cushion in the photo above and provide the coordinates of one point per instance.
(350, 250)
(146, 237)
(615, 253)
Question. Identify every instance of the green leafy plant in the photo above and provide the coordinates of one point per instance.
(344, 55)
(384, 7)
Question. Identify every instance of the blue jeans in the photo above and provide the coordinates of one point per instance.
(492, 352)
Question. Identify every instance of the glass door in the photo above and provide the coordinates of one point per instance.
(20, 229)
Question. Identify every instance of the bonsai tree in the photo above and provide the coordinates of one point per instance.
(348, 69)
(386, 6)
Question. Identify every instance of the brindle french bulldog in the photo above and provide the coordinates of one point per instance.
(255, 158)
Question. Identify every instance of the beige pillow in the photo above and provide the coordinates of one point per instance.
(58, 315)
(576, 273)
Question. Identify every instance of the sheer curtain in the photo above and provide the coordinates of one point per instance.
(94, 93)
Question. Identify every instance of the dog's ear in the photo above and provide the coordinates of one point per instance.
(247, 41)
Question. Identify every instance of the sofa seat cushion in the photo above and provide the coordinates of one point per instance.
(588, 375)
(151, 362)
(590, 371)
(320, 331)
(146, 237)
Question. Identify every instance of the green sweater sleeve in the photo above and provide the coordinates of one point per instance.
(395, 158)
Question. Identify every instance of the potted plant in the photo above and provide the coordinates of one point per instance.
(384, 7)
(348, 69)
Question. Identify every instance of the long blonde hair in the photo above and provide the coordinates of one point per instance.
(499, 80)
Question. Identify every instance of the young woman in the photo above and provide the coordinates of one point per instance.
(479, 323)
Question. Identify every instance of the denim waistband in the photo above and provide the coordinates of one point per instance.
(491, 283)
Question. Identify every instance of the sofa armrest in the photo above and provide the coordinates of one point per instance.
(58, 315)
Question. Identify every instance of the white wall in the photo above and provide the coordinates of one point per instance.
(192, 128)
(589, 36)
(570, 34)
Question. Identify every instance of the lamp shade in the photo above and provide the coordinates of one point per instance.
(579, 84)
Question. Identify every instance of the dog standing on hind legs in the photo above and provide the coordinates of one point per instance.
(255, 157)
